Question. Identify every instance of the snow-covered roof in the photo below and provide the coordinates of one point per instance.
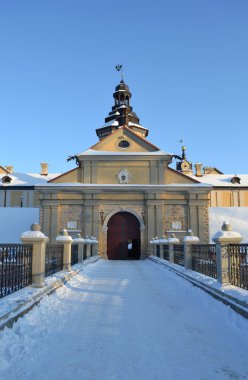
(128, 186)
(111, 123)
(92, 152)
(130, 124)
(222, 180)
(27, 179)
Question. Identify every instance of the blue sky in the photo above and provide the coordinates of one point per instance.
(184, 61)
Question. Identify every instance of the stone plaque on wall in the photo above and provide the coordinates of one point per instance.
(71, 224)
(176, 225)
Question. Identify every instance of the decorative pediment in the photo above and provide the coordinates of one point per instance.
(124, 140)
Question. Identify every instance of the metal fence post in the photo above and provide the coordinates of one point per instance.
(38, 240)
(66, 240)
(222, 239)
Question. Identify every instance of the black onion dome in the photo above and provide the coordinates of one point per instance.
(122, 86)
(122, 113)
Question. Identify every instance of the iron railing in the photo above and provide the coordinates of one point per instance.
(166, 251)
(15, 267)
(179, 254)
(74, 254)
(54, 258)
(204, 259)
(238, 265)
(85, 252)
(157, 250)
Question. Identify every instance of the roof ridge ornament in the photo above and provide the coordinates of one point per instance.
(183, 149)
(120, 68)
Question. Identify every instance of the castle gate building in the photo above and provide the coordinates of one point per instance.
(123, 192)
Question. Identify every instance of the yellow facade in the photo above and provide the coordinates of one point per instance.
(125, 176)
(135, 180)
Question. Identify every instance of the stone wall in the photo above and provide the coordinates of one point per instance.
(174, 214)
(71, 213)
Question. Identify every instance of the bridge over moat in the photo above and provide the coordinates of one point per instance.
(126, 320)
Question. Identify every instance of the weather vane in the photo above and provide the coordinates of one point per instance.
(120, 68)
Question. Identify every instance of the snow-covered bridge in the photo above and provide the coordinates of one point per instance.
(126, 320)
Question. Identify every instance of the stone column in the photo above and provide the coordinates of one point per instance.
(38, 240)
(173, 240)
(150, 221)
(88, 219)
(193, 217)
(159, 220)
(96, 225)
(188, 241)
(201, 224)
(54, 222)
(80, 242)
(45, 223)
(153, 173)
(66, 240)
(222, 239)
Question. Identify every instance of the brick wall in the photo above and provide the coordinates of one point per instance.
(175, 213)
(71, 213)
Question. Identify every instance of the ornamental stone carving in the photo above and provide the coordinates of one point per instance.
(123, 176)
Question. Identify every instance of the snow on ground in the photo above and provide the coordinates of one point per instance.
(236, 216)
(14, 221)
(126, 320)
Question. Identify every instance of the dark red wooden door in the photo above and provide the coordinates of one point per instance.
(123, 238)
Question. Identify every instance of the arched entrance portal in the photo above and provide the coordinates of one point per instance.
(123, 238)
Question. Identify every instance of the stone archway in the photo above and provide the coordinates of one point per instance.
(123, 237)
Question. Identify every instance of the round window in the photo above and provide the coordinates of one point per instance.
(124, 144)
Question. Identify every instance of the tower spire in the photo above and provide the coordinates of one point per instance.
(122, 113)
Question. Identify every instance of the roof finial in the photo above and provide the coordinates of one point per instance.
(183, 149)
(120, 68)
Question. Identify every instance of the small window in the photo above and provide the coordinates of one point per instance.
(235, 179)
(6, 179)
(123, 144)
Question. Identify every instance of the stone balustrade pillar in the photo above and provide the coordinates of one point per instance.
(172, 241)
(151, 247)
(94, 244)
(66, 240)
(80, 242)
(88, 242)
(162, 242)
(156, 246)
(222, 239)
(188, 241)
(38, 241)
